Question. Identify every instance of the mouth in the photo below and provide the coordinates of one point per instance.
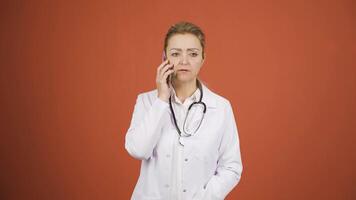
(182, 70)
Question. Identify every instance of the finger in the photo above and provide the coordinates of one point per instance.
(162, 65)
(165, 68)
(166, 74)
(162, 68)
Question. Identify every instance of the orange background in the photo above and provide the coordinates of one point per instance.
(71, 71)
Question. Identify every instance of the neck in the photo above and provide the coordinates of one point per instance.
(185, 89)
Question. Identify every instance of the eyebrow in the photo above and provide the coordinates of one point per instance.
(189, 49)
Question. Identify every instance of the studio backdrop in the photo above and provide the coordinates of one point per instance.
(71, 72)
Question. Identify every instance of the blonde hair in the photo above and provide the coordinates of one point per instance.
(182, 28)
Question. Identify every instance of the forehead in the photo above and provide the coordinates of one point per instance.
(184, 41)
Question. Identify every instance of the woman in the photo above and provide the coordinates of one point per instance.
(186, 152)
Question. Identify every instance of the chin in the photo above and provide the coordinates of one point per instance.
(184, 79)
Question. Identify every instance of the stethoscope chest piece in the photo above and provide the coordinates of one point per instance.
(182, 140)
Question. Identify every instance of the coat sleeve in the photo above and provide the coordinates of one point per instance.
(145, 128)
(229, 169)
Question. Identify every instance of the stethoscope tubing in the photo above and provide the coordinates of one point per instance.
(190, 106)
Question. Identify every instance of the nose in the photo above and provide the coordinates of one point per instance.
(184, 59)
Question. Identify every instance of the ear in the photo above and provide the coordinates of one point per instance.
(202, 62)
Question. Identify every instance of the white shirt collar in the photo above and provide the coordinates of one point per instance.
(194, 97)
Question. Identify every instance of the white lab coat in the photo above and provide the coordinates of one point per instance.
(212, 161)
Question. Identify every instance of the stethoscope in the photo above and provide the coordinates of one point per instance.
(186, 130)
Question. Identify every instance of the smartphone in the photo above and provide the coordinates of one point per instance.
(164, 58)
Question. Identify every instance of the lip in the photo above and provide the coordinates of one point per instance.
(183, 70)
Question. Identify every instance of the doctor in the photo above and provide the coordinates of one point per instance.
(185, 134)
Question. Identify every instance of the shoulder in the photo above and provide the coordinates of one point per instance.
(216, 100)
(148, 97)
(221, 99)
(150, 93)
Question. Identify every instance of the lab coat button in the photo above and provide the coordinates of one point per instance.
(167, 186)
(186, 160)
(168, 156)
(184, 190)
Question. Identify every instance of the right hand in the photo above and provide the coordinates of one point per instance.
(163, 71)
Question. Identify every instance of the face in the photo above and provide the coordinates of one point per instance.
(185, 51)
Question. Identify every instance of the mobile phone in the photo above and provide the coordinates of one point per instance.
(164, 58)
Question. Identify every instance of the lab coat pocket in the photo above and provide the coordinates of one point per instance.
(204, 149)
(164, 145)
(207, 159)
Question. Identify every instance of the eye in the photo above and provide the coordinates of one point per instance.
(194, 54)
(174, 54)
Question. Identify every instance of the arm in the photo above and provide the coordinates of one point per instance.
(229, 169)
(145, 128)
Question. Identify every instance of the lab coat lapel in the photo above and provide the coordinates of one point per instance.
(208, 97)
